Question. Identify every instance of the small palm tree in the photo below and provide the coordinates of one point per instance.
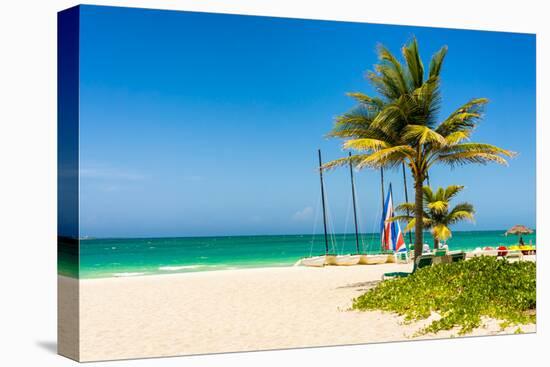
(437, 217)
(401, 126)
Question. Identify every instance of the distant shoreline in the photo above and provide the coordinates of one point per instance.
(88, 238)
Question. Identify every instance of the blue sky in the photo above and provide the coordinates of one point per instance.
(195, 124)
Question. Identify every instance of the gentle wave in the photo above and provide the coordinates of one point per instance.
(127, 274)
(182, 267)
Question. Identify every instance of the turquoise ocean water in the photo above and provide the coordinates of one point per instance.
(101, 258)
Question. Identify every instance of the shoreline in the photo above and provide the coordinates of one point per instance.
(102, 258)
(215, 269)
(237, 310)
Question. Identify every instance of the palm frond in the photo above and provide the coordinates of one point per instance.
(400, 218)
(427, 193)
(405, 207)
(391, 120)
(427, 102)
(415, 67)
(479, 153)
(440, 194)
(439, 206)
(340, 162)
(463, 118)
(437, 62)
(420, 135)
(386, 81)
(388, 157)
(452, 190)
(394, 68)
(427, 223)
(457, 137)
(463, 207)
(366, 144)
(459, 216)
(379, 85)
(441, 232)
(461, 211)
(373, 103)
(462, 158)
(478, 148)
(353, 124)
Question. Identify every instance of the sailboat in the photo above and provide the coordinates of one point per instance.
(391, 237)
(351, 259)
(392, 240)
(326, 259)
(315, 261)
(373, 259)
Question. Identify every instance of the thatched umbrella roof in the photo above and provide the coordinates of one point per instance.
(519, 229)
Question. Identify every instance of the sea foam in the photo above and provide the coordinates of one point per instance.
(182, 267)
(127, 274)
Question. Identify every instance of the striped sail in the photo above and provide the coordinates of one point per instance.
(391, 235)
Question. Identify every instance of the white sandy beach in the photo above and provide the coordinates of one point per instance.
(236, 310)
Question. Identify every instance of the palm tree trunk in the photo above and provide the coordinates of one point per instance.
(436, 243)
(418, 214)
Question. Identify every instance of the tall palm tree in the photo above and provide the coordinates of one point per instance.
(437, 216)
(401, 124)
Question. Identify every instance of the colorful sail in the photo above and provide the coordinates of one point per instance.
(391, 235)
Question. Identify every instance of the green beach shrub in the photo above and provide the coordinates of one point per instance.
(461, 293)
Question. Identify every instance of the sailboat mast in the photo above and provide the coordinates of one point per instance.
(323, 201)
(406, 197)
(354, 205)
(382, 185)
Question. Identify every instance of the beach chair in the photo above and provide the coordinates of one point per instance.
(440, 252)
(514, 254)
(457, 256)
(528, 249)
(401, 257)
(421, 262)
(525, 249)
(441, 256)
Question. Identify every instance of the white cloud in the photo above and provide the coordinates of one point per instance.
(304, 214)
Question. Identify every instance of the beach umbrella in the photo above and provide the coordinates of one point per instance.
(519, 230)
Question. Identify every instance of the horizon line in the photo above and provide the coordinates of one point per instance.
(84, 238)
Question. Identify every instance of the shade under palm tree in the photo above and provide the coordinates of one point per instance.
(519, 230)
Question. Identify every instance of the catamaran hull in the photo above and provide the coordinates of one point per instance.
(347, 260)
(330, 259)
(318, 261)
(373, 259)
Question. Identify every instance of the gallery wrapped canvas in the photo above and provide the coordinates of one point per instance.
(234, 183)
